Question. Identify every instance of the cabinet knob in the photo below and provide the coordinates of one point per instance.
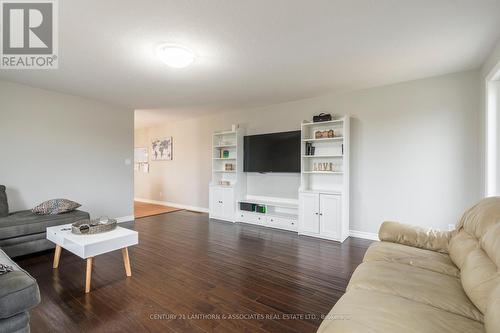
(320, 214)
(316, 213)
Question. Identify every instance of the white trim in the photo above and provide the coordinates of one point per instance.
(362, 234)
(125, 218)
(491, 131)
(173, 204)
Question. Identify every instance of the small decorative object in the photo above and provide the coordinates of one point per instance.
(95, 226)
(224, 182)
(326, 167)
(320, 166)
(331, 166)
(322, 117)
(161, 149)
(55, 206)
(225, 154)
(234, 127)
(4, 269)
(260, 209)
(315, 167)
(324, 134)
(228, 167)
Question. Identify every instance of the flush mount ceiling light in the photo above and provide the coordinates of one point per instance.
(175, 56)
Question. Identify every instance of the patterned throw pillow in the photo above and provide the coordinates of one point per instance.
(55, 206)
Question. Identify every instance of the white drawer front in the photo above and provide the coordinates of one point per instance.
(251, 218)
(282, 223)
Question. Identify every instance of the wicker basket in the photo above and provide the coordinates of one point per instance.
(95, 226)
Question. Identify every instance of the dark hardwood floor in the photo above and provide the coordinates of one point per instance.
(188, 274)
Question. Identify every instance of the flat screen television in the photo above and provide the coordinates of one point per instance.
(274, 152)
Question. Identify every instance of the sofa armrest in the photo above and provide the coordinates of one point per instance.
(405, 234)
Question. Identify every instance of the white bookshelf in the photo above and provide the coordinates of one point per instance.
(324, 188)
(228, 180)
(224, 157)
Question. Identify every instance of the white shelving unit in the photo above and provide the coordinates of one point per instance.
(322, 207)
(324, 189)
(228, 180)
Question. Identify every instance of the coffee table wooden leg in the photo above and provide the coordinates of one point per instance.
(89, 275)
(126, 261)
(57, 255)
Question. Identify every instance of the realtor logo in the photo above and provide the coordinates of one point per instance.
(29, 34)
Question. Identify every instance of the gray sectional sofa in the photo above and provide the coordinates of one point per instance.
(23, 233)
(18, 293)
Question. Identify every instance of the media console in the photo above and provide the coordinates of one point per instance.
(277, 213)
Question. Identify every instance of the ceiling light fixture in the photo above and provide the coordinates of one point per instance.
(175, 56)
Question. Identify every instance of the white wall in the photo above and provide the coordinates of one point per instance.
(60, 146)
(414, 150)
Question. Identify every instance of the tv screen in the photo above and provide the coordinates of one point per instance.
(275, 152)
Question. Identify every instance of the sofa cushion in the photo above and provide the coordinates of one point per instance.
(28, 247)
(477, 220)
(26, 223)
(55, 206)
(4, 205)
(18, 290)
(370, 311)
(461, 244)
(475, 249)
(402, 254)
(492, 315)
(17, 323)
(479, 278)
(415, 236)
(420, 285)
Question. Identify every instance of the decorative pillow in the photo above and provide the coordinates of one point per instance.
(4, 206)
(55, 206)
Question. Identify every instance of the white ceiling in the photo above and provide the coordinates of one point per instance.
(258, 52)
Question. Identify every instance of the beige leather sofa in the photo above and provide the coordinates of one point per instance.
(418, 280)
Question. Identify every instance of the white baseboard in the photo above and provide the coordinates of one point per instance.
(173, 204)
(362, 234)
(125, 218)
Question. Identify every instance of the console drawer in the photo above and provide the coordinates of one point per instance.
(282, 222)
(251, 218)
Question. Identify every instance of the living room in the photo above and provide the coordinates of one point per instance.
(269, 146)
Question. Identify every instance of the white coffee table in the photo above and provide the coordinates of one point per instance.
(89, 246)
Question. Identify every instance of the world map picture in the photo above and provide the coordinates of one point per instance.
(161, 149)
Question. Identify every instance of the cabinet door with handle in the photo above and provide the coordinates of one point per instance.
(228, 204)
(330, 215)
(309, 213)
(216, 202)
